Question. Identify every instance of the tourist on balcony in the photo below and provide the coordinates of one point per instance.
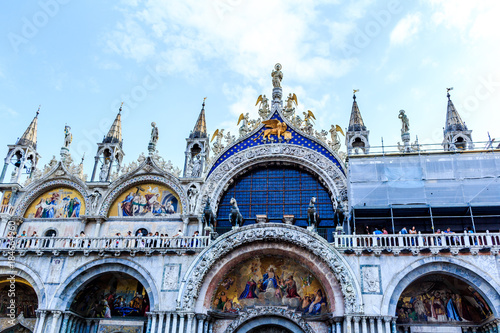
(149, 241)
(84, 242)
(118, 240)
(140, 241)
(73, 242)
(128, 242)
(194, 241)
(156, 242)
(413, 231)
(33, 242)
(23, 242)
(179, 235)
(452, 240)
(166, 241)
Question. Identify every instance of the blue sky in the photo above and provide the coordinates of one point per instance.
(80, 59)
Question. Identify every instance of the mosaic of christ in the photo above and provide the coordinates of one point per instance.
(267, 280)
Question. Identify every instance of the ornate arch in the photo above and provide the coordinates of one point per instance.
(29, 275)
(165, 179)
(270, 232)
(471, 274)
(34, 190)
(66, 292)
(219, 179)
(268, 311)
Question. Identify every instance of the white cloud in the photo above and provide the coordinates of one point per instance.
(247, 38)
(6, 111)
(406, 28)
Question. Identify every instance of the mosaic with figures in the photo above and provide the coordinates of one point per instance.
(146, 200)
(112, 295)
(270, 281)
(61, 202)
(441, 298)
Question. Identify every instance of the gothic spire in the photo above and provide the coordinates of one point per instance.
(453, 120)
(115, 132)
(29, 136)
(200, 129)
(356, 122)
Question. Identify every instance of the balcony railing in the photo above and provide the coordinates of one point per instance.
(414, 243)
(102, 245)
(454, 242)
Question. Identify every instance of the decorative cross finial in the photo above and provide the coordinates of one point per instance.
(448, 92)
(38, 111)
(120, 110)
(355, 91)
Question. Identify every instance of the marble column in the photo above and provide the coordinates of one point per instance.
(167, 325)
(40, 320)
(348, 324)
(338, 327)
(64, 325)
(201, 319)
(211, 327)
(205, 326)
(148, 326)
(372, 325)
(181, 323)
(394, 329)
(153, 323)
(190, 322)
(96, 326)
(356, 324)
(379, 324)
(89, 323)
(55, 320)
(387, 321)
(363, 325)
(161, 316)
(174, 323)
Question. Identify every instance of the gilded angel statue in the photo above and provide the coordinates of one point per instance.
(289, 108)
(264, 106)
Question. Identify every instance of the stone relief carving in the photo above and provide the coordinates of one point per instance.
(370, 277)
(269, 311)
(273, 233)
(171, 274)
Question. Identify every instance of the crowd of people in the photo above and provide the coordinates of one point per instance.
(430, 239)
(118, 240)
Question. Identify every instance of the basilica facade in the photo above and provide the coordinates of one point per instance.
(274, 229)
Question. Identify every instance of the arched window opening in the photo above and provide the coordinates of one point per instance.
(276, 191)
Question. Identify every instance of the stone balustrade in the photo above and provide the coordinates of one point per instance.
(415, 243)
(377, 244)
(101, 245)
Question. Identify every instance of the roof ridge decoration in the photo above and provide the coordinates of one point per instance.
(277, 124)
(29, 137)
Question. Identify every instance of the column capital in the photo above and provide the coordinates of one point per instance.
(357, 319)
(56, 313)
(372, 320)
(41, 313)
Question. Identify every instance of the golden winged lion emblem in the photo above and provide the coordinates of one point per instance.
(275, 127)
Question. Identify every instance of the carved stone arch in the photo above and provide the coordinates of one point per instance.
(246, 317)
(164, 179)
(13, 152)
(361, 137)
(218, 181)
(29, 275)
(67, 290)
(316, 246)
(460, 269)
(35, 189)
